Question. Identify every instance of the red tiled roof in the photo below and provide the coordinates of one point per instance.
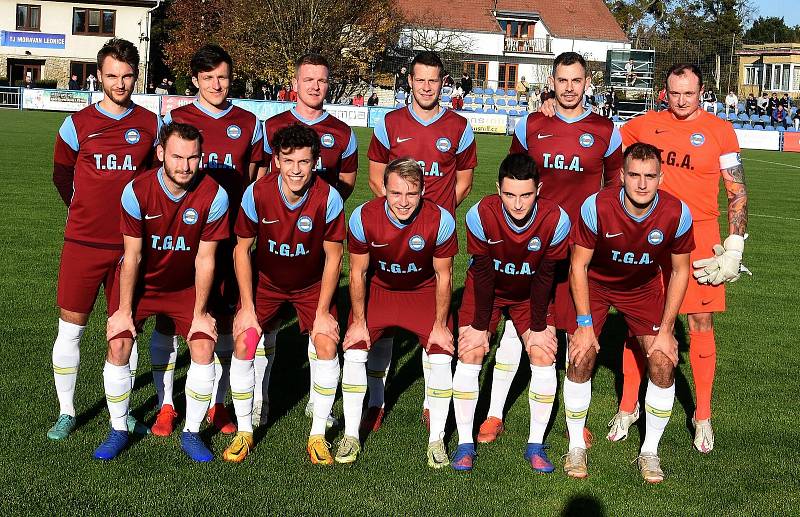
(583, 19)
(462, 15)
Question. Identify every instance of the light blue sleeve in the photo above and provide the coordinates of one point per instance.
(219, 206)
(168, 118)
(335, 205)
(615, 143)
(589, 213)
(258, 132)
(466, 139)
(356, 225)
(447, 225)
(474, 224)
(267, 148)
(381, 134)
(249, 204)
(521, 132)
(159, 125)
(68, 134)
(352, 145)
(129, 202)
(562, 228)
(685, 222)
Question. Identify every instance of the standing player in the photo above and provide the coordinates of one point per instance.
(337, 164)
(408, 242)
(620, 240)
(172, 219)
(98, 151)
(515, 239)
(696, 148)
(232, 150)
(576, 152)
(441, 141)
(297, 223)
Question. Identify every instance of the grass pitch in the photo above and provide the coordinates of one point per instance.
(752, 471)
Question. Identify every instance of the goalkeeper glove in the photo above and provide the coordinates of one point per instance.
(725, 265)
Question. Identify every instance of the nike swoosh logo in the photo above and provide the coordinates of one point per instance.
(94, 135)
(490, 241)
(659, 131)
(375, 245)
(609, 235)
(401, 140)
(543, 136)
(656, 329)
(264, 221)
(148, 216)
(705, 302)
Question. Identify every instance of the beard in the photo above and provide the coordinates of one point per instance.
(178, 178)
(123, 100)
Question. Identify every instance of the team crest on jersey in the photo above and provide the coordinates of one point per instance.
(586, 140)
(655, 237)
(190, 216)
(234, 131)
(327, 140)
(132, 136)
(416, 243)
(697, 139)
(304, 224)
(443, 144)
(535, 244)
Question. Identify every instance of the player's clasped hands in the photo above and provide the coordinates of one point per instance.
(545, 340)
(441, 336)
(325, 324)
(581, 342)
(356, 333)
(118, 323)
(245, 319)
(665, 343)
(203, 323)
(469, 338)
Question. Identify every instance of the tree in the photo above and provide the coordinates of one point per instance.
(772, 30)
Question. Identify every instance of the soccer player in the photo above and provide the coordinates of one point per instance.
(620, 240)
(696, 148)
(98, 151)
(443, 144)
(515, 239)
(232, 151)
(408, 242)
(297, 223)
(577, 152)
(172, 219)
(337, 164)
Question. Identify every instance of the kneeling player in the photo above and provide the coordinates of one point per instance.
(297, 223)
(408, 243)
(172, 219)
(515, 239)
(620, 240)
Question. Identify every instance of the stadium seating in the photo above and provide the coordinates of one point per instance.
(500, 102)
(467, 100)
(512, 102)
(502, 111)
(722, 115)
(740, 107)
(488, 91)
(478, 91)
(400, 95)
(743, 117)
(488, 101)
(736, 125)
(500, 92)
(479, 110)
(446, 98)
(780, 129)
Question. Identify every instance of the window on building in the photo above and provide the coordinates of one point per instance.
(752, 75)
(477, 71)
(28, 17)
(796, 78)
(518, 29)
(93, 22)
(507, 77)
(82, 70)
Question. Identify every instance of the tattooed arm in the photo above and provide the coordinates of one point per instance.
(733, 178)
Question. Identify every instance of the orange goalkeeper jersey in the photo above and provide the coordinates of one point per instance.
(693, 152)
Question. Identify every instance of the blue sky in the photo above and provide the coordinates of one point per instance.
(789, 10)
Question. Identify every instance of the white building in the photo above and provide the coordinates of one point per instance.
(51, 40)
(507, 39)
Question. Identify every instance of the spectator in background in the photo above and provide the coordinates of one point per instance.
(283, 95)
(546, 94)
(457, 102)
(171, 87)
(264, 93)
(751, 105)
(163, 88)
(534, 100)
(292, 94)
(401, 81)
(448, 84)
(151, 87)
(187, 92)
(662, 99)
(796, 120)
(763, 104)
(610, 103)
(630, 74)
(589, 95)
(73, 83)
(731, 103)
(710, 100)
(522, 88)
(28, 82)
(358, 100)
(373, 99)
(772, 104)
(466, 83)
(779, 116)
(91, 83)
(785, 101)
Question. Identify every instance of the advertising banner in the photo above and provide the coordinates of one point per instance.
(54, 100)
(32, 39)
(169, 102)
(757, 139)
(376, 115)
(791, 141)
(263, 109)
(353, 116)
(149, 102)
(487, 122)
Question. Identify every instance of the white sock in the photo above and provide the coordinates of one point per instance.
(312, 370)
(243, 380)
(199, 383)
(117, 384)
(465, 399)
(354, 386)
(506, 363)
(326, 378)
(223, 351)
(66, 356)
(426, 375)
(163, 354)
(577, 397)
(265, 357)
(658, 408)
(379, 359)
(439, 391)
(541, 395)
(133, 362)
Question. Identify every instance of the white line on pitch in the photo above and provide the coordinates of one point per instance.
(767, 216)
(772, 163)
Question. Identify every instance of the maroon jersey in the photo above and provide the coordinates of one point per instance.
(171, 228)
(401, 255)
(96, 155)
(516, 252)
(575, 157)
(289, 238)
(443, 145)
(338, 150)
(629, 249)
(231, 142)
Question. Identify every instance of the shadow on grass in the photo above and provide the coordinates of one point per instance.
(583, 506)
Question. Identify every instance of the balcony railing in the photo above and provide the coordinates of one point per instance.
(528, 46)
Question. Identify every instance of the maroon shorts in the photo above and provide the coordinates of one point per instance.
(176, 305)
(642, 307)
(518, 311)
(224, 296)
(269, 302)
(82, 271)
(414, 311)
(561, 310)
